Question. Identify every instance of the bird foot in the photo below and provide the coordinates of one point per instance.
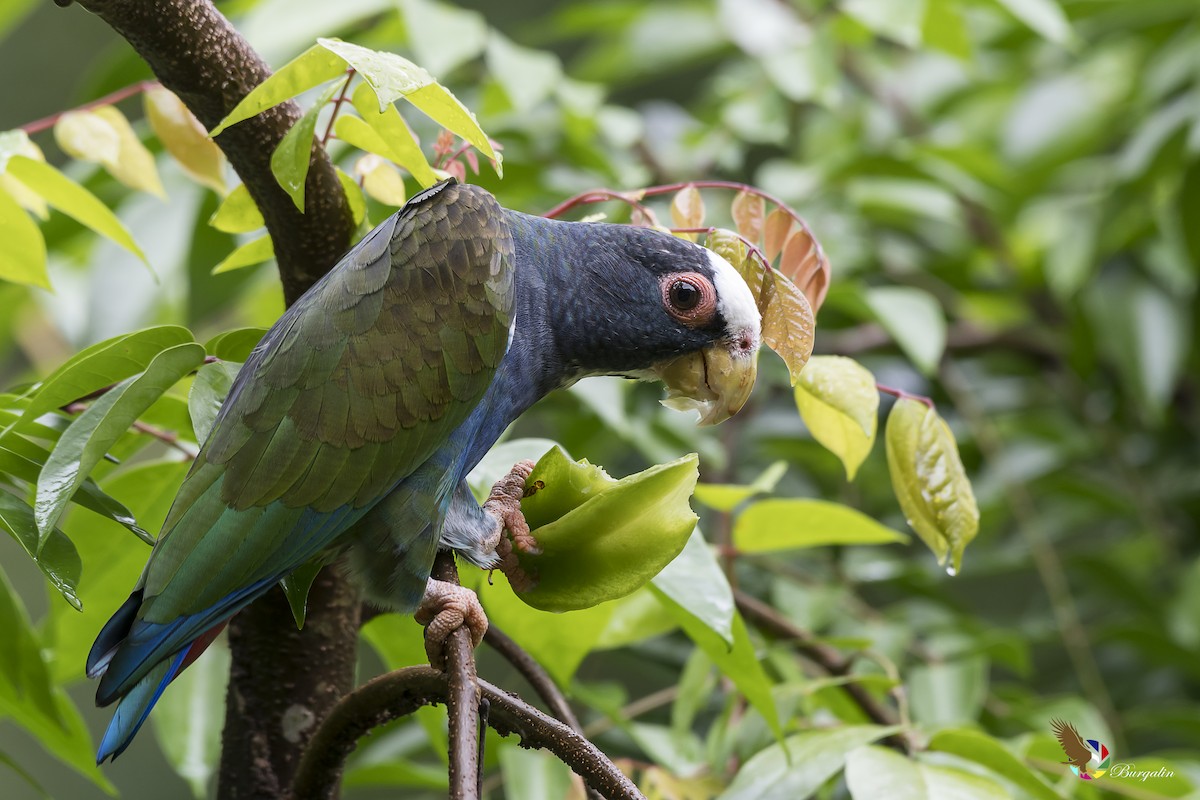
(445, 608)
(504, 503)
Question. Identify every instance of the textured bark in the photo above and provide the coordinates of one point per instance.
(283, 681)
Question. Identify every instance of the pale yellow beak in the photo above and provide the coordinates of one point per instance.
(715, 381)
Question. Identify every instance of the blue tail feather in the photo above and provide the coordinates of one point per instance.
(135, 706)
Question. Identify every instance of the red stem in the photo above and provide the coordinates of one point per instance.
(45, 123)
(900, 393)
(337, 106)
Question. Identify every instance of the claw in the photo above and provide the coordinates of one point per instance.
(445, 608)
(504, 503)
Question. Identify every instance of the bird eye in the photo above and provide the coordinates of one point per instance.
(684, 296)
(690, 298)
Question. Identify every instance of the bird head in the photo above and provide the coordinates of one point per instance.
(645, 304)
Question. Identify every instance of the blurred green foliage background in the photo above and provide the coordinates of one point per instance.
(1009, 193)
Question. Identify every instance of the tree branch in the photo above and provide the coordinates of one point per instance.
(462, 698)
(399, 693)
(535, 675)
(198, 55)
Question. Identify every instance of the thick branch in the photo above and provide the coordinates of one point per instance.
(398, 693)
(462, 702)
(198, 55)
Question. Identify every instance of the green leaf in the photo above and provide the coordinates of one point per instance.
(527, 76)
(1187, 210)
(726, 497)
(737, 661)
(253, 252)
(1045, 17)
(695, 581)
(901, 22)
(988, 752)
(815, 757)
(384, 133)
(235, 345)
(73, 200)
(355, 197)
(380, 180)
(188, 719)
(95, 430)
(874, 772)
(289, 161)
(296, 585)
(533, 774)
(603, 539)
(24, 460)
(99, 366)
(113, 564)
(12, 764)
(58, 559)
(949, 692)
(441, 35)
(789, 524)
(237, 213)
(945, 29)
(393, 77)
(23, 257)
(839, 404)
(914, 319)
(397, 638)
(500, 459)
(636, 618)
(929, 480)
(208, 392)
(310, 69)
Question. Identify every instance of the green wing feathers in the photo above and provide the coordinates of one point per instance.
(348, 394)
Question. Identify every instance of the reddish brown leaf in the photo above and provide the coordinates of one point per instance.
(778, 226)
(805, 265)
(749, 213)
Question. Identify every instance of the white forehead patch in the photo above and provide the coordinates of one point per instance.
(734, 300)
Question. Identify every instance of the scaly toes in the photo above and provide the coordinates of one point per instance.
(445, 608)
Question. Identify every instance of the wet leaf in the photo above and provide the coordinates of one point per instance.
(253, 252)
(23, 257)
(58, 559)
(185, 138)
(602, 539)
(237, 213)
(749, 214)
(788, 324)
(386, 134)
(687, 210)
(793, 523)
(290, 160)
(89, 437)
(839, 403)
(929, 480)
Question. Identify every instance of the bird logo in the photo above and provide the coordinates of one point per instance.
(1081, 753)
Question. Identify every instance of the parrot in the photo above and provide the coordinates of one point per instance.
(348, 433)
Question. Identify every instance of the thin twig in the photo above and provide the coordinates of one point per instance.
(824, 656)
(337, 106)
(535, 674)
(45, 123)
(462, 704)
(399, 693)
(903, 395)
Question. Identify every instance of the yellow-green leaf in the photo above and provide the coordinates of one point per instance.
(726, 497)
(185, 138)
(87, 136)
(839, 403)
(929, 480)
(314, 66)
(749, 214)
(602, 539)
(23, 255)
(390, 75)
(247, 255)
(17, 143)
(771, 525)
(380, 180)
(237, 212)
(440, 105)
(914, 319)
(389, 135)
(687, 210)
(134, 165)
(354, 196)
(73, 200)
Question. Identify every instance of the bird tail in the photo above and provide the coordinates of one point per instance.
(135, 706)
